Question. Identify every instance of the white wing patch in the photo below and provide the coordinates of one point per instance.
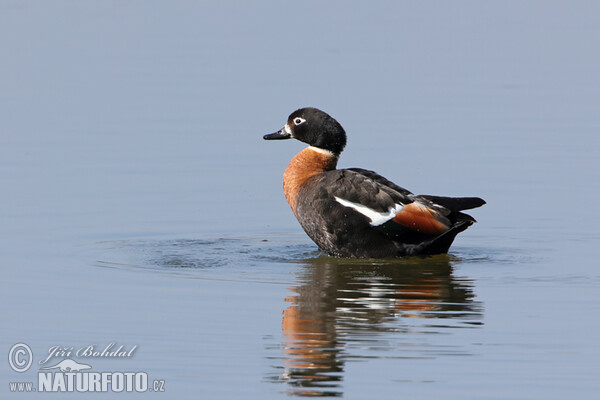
(376, 217)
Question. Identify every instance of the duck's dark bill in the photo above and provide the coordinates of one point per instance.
(282, 134)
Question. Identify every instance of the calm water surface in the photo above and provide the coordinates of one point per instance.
(141, 206)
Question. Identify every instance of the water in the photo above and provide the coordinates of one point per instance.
(141, 206)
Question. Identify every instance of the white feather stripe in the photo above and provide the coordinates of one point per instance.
(376, 217)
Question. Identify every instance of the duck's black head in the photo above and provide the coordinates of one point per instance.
(315, 127)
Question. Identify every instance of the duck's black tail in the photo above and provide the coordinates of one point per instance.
(456, 203)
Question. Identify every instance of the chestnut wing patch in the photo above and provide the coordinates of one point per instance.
(422, 219)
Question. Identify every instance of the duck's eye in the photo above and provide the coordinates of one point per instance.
(298, 120)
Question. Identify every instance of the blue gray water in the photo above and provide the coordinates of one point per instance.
(140, 205)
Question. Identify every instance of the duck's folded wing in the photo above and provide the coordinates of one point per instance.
(384, 206)
(374, 176)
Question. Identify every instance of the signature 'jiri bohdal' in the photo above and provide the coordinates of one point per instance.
(91, 350)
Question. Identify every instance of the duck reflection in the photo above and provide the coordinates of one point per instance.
(340, 305)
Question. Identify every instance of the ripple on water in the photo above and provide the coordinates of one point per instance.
(209, 258)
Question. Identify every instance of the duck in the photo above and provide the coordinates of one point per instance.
(357, 213)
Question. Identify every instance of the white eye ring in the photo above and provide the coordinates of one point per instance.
(298, 121)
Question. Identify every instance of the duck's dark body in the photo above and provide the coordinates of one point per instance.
(342, 231)
(356, 212)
